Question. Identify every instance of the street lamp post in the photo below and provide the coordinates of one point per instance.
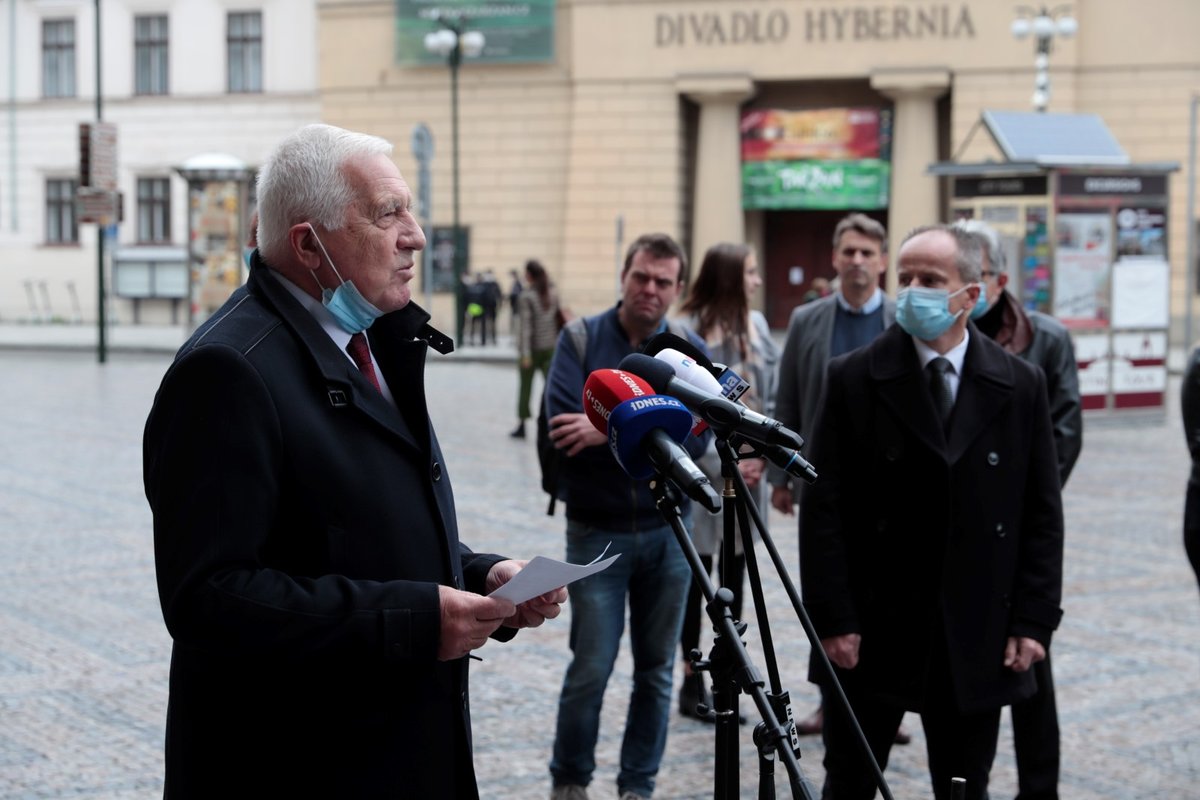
(453, 43)
(1044, 24)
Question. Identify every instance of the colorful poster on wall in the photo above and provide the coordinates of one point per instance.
(815, 184)
(1035, 261)
(1082, 263)
(827, 134)
(514, 31)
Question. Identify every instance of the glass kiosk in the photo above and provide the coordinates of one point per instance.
(1086, 241)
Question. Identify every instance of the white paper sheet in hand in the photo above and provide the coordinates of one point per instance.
(543, 574)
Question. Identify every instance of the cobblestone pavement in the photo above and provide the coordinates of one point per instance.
(84, 655)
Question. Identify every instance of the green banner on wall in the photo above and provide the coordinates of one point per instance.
(516, 32)
(861, 184)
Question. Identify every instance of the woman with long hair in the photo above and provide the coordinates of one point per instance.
(718, 309)
(537, 333)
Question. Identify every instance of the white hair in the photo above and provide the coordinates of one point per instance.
(303, 180)
(991, 241)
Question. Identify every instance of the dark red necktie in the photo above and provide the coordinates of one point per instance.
(361, 354)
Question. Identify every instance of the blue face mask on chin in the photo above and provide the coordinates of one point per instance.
(981, 305)
(352, 312)
(925, 313)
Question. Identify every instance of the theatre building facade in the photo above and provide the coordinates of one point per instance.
(583, 123)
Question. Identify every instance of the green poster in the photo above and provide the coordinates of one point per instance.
(517, 32)
(861, 184)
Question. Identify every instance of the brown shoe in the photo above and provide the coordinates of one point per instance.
(811, 724)
(902, 735)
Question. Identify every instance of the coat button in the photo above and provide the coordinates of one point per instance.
(1000, 530)
(993, 458)
(437, 472)
(892, 453)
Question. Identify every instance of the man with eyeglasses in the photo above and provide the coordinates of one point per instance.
(1042, 340)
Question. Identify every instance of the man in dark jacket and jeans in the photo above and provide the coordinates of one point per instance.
(1042, 340)
(604, 505)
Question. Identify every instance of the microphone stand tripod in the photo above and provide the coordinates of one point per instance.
(731, 659)
(725, 690)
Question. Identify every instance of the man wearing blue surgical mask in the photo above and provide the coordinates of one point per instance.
(939, 595)
(309, 568)
(1042, 340)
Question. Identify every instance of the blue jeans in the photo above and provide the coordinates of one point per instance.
(653, 572)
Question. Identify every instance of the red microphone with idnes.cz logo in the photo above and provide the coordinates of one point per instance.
(644, 432)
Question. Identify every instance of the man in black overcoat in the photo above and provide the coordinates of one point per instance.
(306, 547)
(938, 594)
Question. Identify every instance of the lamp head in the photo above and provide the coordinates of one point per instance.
(472, 43)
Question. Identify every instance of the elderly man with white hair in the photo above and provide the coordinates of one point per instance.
(306, 545)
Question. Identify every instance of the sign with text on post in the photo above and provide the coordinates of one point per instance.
(98, 155)
(829, 158)
(97, 199)
(514, 31)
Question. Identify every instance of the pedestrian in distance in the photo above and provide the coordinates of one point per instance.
(537, 331)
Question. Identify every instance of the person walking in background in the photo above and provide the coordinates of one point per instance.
(1042, 340)
(718, 309)
(514, 292)
(490, 300)
(537, 331)
(1191, 428)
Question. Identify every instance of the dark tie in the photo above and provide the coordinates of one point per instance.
(361, 354)
(939, 386)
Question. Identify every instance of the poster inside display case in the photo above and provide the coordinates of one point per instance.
(1035, 263)
(1083, 259)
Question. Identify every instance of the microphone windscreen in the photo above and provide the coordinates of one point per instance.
(632, 420)
(652, 371)
(669, 341)
(686, 369)
(605, 389)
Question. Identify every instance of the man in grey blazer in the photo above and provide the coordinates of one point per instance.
(847, 319)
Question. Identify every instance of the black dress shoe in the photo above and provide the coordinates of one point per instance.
(692, 694)
(519, 431)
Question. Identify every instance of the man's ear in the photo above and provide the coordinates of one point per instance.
(973, 290)
(1002, 280)
(303, 243)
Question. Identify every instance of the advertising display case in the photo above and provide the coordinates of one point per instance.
(1085, 235)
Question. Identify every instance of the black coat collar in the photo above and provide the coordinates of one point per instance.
(399, 341)
(986, 383)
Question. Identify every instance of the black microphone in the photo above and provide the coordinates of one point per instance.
(669, 341)
(790, 461)
(721, 415)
